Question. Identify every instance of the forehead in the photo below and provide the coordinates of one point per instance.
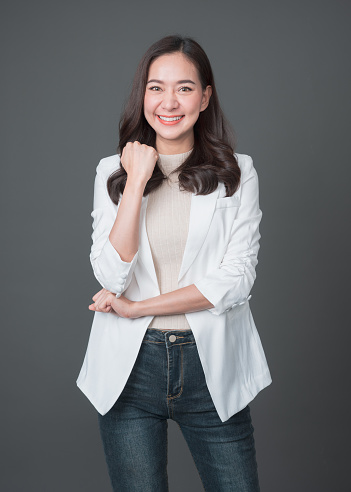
(171, 67)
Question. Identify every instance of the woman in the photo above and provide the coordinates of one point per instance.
(175, 244)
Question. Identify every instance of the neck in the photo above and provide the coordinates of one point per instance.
(170, 162)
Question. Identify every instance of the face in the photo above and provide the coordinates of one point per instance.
(173, 90)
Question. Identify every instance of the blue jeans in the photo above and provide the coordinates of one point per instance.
(167, 382)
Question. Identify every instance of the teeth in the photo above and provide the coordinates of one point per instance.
(170, 119)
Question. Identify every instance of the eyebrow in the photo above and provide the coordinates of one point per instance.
(186, 81)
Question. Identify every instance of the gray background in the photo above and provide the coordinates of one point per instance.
(282, 72)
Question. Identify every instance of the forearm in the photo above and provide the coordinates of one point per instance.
(185, 300)
(124, 235)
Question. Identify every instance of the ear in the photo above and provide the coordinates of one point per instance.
(206, 98)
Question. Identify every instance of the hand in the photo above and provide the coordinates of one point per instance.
(107, 302)
(139, 161)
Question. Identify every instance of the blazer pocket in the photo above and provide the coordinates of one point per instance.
(228, 201)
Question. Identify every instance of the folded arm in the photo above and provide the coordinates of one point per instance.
(229, 284)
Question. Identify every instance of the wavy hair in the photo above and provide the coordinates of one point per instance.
(212, 159)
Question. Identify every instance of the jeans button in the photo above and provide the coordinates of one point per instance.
(172, 338)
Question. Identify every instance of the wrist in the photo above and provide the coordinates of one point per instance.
(137, 309)
(136, 185)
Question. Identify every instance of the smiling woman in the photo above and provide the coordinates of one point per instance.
(175, 244)
(173, 103)
(174, 108)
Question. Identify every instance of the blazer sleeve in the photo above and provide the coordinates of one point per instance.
(230, 284)
(110, 270)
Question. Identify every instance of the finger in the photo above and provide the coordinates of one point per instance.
(99, 298)
(105, 310)
(96, 296)
(101, 295)
(105, 304)
(93, 307)
(102, 302)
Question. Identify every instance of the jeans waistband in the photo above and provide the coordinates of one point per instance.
(159, 335)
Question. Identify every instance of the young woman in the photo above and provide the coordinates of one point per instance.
(175, 244)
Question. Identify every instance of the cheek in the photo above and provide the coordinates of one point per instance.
(147, 103)
(194, 106)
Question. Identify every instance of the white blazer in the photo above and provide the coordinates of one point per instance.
(220, 258)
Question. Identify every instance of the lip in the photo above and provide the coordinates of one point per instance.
(168, 123)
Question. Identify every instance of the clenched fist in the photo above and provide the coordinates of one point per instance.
(139, 161)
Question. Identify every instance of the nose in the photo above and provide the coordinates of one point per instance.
(169, 101)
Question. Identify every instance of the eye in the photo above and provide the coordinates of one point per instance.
(155, 88)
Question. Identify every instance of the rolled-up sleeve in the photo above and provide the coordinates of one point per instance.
(230, 284)
(110, 270)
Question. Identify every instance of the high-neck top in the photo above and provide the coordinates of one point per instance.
(169, 163)
(167, 224)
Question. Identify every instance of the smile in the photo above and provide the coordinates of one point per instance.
(170, 120)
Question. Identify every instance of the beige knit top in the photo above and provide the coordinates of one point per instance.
(167, 223)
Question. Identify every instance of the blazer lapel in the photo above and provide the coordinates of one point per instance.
(145, 254)
(201, 211)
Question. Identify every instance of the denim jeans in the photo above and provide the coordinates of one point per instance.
(167, 382)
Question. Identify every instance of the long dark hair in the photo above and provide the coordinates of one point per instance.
(212, 159)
